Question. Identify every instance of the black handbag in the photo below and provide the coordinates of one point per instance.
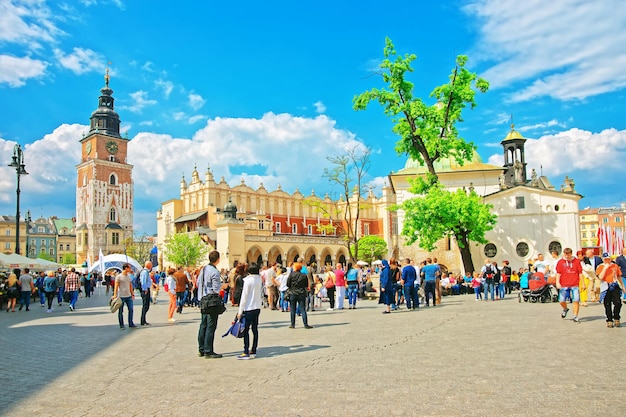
(212, 304)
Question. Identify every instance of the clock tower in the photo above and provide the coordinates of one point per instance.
(104, 188)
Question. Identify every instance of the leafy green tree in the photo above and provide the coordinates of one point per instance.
(46, 257)
(442, 213)
(427, 131)
(347, 173)
(371, 248)
(68, 259)
(185, 249)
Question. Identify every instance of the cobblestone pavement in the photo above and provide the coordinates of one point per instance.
(462, 358)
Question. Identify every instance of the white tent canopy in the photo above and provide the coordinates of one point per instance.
(115, 261)
(14, 260)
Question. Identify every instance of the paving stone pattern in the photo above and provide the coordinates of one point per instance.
(461, 358)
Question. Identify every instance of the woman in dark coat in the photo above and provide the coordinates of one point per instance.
(240, 273)
(386, 288)
(298, 284)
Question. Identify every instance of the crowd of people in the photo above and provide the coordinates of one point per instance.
(48, 287)
(301, 287)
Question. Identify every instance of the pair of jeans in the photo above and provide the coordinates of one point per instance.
(145, 305)
(73, 298)
(501, 289)
(353, 290)
(284, 304)
(87, 288)
(42, 296)
(410, 297)
(120, 313)
(60, 295)
(180, 300)
(479, 295)
(489, 289)
(429, 290)
(25, 298)
(310, 300)
(252, 322)
(298, 301)
(206, 333)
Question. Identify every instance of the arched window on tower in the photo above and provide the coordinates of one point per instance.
(112, 215)
(113, 179)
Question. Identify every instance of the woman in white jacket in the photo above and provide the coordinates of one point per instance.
(249, 309)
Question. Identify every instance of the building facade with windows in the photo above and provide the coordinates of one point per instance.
(7, 235)
(603, 228)
(104, 189)
(257, 225)
(66, 240)
(533, 216)
(42, 239)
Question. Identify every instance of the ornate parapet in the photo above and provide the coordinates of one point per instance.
(299, 239)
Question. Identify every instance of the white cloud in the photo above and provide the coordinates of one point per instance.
(570, 49)
(543, 125)
(59, 149)
(319, 107)
(140, 100)
(80, 60)
(196, 101)
(148, 66)
(15, 71)
(196, 118)
(27, 22)
(377, 184)
(179, 115)
(166, 86)
(586, 156)
(256, 149)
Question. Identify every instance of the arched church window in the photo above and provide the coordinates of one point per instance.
(113, 179)
(112, 215)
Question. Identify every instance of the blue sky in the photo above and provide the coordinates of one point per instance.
(262, 91)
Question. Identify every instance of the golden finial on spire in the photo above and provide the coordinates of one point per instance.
(512, 124)
(106, 75)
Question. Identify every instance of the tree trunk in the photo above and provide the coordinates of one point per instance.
(466, 254)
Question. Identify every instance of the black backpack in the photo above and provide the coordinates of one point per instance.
(488, 272)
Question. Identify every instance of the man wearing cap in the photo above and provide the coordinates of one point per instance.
(569, 278)
(610, 275)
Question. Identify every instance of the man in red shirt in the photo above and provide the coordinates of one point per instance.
(569, 276)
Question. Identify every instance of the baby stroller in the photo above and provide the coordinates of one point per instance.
(538, 290)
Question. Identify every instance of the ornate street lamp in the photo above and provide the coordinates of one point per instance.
(18, 164)
(28, 220)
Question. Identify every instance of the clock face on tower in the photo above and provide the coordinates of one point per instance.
(88, 148)
(111, 147)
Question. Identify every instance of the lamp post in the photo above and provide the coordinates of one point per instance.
(28, 220)
(18, 163)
